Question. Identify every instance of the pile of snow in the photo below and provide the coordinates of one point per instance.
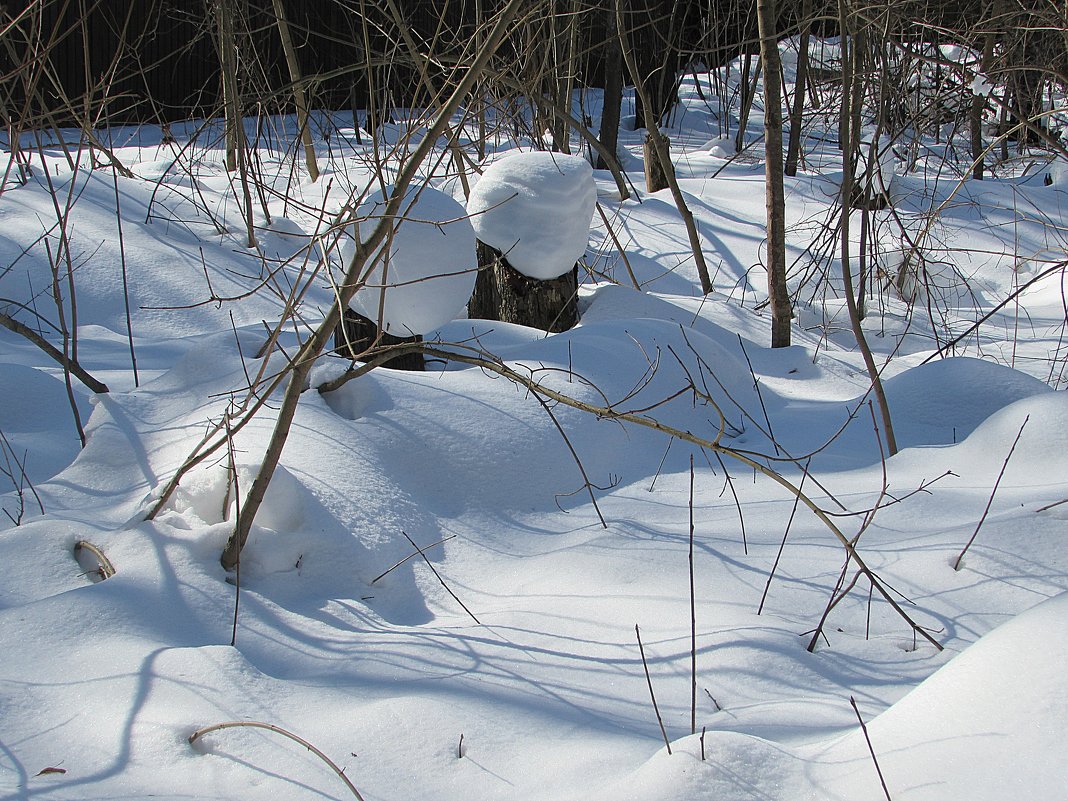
(536, 208)
(722, 147)
(428, 272)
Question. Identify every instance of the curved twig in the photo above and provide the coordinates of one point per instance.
(107, 569)
(253, 724)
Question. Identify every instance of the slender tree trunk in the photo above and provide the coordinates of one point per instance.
(662, 148)
(976, 113)
(236, 146)
(749, 84)
(298, 88)
(778, 292)
(849, 127)
(656, 177)
(613, 89)
(793, 151)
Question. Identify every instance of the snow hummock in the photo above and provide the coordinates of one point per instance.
(535, 208)
(429, 271)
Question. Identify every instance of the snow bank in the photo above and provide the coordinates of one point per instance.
(536, 208)
(950, 738)
(429, 271)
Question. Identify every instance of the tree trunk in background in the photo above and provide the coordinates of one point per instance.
(613, 89)
(503, 293)
(655, 170)
(298, 89)
(976, 113)
(778, 293)
(793, 151)
(356, 334)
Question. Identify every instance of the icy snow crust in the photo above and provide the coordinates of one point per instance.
(347, 637)
(536, 208)
(423, 276)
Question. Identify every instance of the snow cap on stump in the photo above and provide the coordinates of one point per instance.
(430, 270)
(536, 209)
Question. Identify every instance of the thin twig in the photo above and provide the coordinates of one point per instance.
(411, 556)
(990, 501)
(436, 573)
(252, 724)
(867, 739)
(652, 695)
(693, 620)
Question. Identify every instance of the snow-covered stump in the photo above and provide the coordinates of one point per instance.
(417, 284)
(531, 213)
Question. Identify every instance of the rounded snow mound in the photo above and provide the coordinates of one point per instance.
(942, 402)
(536, 208)
(987, 726)
(428, 272)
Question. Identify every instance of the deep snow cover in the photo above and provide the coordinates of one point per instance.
(435, 594)
(535, 208)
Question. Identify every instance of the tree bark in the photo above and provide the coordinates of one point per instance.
(613, 90)
(655, 169)
(793, 150)
(298, 89)
(778, 293)
(503, 293)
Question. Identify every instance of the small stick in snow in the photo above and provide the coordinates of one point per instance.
(411, 556)
(422, 553)
(993, 492)
(106, 569)
(693, 620)
(652, 695)
(867, 739)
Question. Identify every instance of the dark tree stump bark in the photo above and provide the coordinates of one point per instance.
(503, 293)
(356, 334)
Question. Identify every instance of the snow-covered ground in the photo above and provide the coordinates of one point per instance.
(505, 664)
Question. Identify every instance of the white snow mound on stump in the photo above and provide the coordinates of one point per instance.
(535, 208)
(430, 268)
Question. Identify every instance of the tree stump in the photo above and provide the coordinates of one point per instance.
(356, 334)
(503, 293)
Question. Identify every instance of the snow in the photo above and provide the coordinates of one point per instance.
(350, 638)
(535, 208)
(428, 270)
